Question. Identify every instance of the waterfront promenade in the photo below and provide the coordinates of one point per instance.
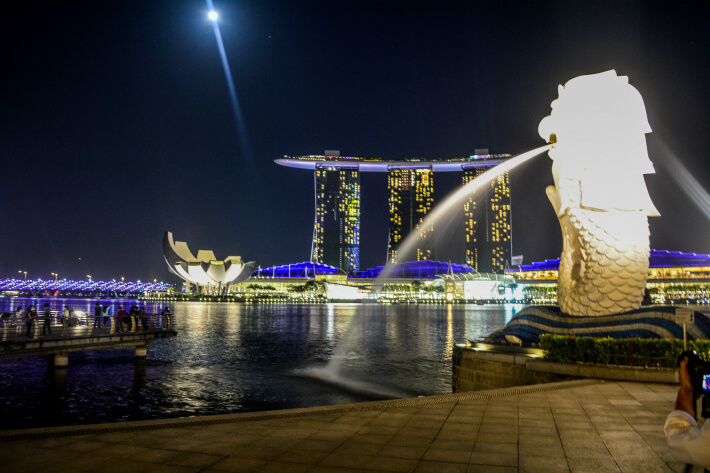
(576, 426)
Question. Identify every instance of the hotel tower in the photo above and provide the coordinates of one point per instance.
(336, 232)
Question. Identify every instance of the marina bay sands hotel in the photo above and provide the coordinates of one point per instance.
(336, 234)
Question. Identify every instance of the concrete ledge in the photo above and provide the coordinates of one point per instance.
(616, 373)
(479, 368)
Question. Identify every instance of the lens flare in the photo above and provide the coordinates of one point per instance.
(680, 174)
(213, 15)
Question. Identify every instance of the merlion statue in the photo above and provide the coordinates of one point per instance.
(598, 129)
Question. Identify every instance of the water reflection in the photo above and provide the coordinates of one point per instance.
(240, 358)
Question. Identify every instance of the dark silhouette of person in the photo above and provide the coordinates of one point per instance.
(47, 315)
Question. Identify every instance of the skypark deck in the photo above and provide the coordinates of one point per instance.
(81, 337)
(376, 165)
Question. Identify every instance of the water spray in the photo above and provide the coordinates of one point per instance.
(454, 200)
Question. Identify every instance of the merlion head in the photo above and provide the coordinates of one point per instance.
(598, 119)
(598, 129)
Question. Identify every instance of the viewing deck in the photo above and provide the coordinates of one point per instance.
(81, 335)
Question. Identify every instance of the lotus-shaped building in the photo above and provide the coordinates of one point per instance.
(204, 270)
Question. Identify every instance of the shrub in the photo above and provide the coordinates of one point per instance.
(648, 352)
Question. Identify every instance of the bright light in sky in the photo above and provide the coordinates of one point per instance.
(212, 15)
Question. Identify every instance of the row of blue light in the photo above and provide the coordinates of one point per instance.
(93, 286)
(296, 270)
(415, 269)
(657, 259)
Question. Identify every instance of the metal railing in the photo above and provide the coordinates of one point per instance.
(83, 325)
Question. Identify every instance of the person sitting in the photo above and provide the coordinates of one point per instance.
(687, 442)
(72, 319)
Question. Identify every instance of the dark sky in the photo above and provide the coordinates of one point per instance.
(117, 122)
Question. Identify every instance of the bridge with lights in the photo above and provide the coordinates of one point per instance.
(81, 287)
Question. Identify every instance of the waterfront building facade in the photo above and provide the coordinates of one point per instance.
(411, 197)
(487, 224)
(673, 277)
(336, 236)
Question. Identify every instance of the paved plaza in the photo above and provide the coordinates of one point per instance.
(577, 426)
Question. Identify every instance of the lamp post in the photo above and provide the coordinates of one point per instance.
(25, 273)
(56, 276)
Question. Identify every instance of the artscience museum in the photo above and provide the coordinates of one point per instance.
(204, 270)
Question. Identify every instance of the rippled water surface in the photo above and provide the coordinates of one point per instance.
(238, 358)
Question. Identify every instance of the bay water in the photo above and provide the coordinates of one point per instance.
(230, 358)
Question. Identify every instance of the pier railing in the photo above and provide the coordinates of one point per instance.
(83, 325)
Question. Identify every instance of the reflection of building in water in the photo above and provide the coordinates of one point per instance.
(411, 196)
(673, 276)
(487, 222)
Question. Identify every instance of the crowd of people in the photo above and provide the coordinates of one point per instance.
(69, 318)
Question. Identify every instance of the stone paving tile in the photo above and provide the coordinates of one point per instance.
(540, 449)
(505, 437)
(284, 467)
(307, 457)
(531, 431)
(491, 469)
(649, 465)
(418, 432)
(374, 439)
(259, 453)
(453, 456)
(402, 465)
(450, 444)
(506, 448)
(238, 464)
(489, 458)
(593, 465)
(337, 459)
(91, 465)
(317, 445)
(277, 442)
(407, 441)
(498, 427)
(440, 467)
(541, 464)
(378, 430)
(400, 451)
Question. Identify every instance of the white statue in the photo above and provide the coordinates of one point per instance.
(597, 128)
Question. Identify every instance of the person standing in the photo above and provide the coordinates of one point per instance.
(30, 320)
(19, 315)
(119, 319)
(47, 325)
(65, 319)
(97, 316)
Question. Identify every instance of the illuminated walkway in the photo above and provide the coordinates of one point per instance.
(579, 426)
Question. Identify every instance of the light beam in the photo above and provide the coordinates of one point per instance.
(241, 129)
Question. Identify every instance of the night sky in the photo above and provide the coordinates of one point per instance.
(117, 122)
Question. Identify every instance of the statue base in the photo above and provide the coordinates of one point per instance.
(527, 325)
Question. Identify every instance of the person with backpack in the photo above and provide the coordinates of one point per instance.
(30, 320)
